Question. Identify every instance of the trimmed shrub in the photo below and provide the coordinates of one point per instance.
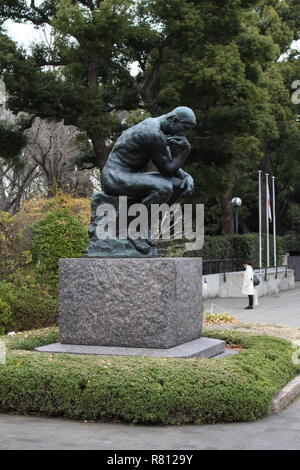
(218, 247)
(57, 235)
(29, 340)
(31, 242)
(215, 247)
(15, 231)
(291, 243)
(14, 246)
(32, 299)
(145, 389)
(238, 246)
(249, 248)
(33, 210)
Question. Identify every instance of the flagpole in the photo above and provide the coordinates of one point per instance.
(274, 221)
(267, 219)
(259, 219)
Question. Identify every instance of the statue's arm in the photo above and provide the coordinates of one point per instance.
(167, 163)
(181, 174)
(187, 182)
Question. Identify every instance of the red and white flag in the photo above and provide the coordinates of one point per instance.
(269, 204)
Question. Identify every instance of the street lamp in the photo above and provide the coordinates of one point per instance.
(236, 202)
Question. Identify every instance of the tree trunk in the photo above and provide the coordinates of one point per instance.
(151, 104)
(92, 73)
(227, 213)
(99, 145)
(53, 186)
(3, 201)
(101, 151)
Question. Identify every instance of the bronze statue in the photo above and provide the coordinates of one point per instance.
(162, 141)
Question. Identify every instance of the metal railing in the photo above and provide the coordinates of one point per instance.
(271, 269)
(223, 266)
(216, 266)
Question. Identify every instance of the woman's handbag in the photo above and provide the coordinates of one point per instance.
(256, 280)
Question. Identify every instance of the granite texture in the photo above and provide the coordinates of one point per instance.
(200, 348)
(131, 302)
(114, 247)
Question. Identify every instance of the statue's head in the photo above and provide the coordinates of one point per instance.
(179, 121)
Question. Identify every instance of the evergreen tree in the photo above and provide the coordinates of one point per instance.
(219, 57)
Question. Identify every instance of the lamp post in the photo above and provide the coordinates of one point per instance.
(236, 202)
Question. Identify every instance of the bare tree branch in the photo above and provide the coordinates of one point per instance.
(47, 161)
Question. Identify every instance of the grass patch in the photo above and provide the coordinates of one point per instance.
(143, 389)
(29, 340)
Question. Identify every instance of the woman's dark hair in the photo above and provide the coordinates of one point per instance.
(248, 262)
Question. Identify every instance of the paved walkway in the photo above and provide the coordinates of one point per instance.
(275, 432)
(280, 431)
(278, 309)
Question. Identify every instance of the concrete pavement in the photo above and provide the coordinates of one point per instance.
(278, 309)
(278, 432)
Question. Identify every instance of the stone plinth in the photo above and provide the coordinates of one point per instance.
(132, 302)
(200, 348)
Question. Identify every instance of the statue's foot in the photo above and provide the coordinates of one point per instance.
(140, 245)
(151, 242)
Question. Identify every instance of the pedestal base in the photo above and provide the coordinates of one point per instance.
(130, 302)
(200, 348)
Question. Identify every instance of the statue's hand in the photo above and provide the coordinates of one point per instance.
(179, 140)
(187, 185)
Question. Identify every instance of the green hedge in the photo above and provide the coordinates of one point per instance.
(291, 243)
(239, 246)
(31, 296)
(57, 235)
(28, 295)
(146, 390)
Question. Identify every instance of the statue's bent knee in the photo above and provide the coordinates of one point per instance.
(165, 191)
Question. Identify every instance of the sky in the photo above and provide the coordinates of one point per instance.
(24, 34)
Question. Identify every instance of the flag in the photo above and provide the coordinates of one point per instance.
(269, 203)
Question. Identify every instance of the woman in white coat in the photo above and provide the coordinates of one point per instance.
(248, 286)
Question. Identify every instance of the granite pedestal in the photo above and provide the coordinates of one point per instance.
(143, 306)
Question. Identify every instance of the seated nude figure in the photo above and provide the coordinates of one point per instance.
(161, 140)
